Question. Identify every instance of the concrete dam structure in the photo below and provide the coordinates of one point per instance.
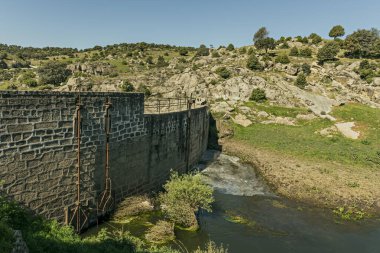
(39, 158)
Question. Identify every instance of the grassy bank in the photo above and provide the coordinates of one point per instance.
(304, 141)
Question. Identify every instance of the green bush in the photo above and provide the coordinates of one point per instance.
(223, 72)
(315, 38)
(127, 86)
(305, 52)
(3, 64)
(306, 69)
(183, 52)
(301, 81)
(6, 238)
(243, 50)
(253, 63)
(184, 196)
(294, 51)
(144, 89)
(282, 58)
(328, 52)
(202, 51)
(161, 62)
(53, 73)
(5, 75)
(258, 95)
(215, 54)
(230, 47)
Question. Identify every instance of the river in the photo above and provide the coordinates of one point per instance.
(248, 217)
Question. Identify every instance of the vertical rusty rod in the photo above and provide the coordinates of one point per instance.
(78, 108)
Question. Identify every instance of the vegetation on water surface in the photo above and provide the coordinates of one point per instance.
(303, 140)
(183, 197)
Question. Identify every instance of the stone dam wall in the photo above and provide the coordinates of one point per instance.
(38, 147)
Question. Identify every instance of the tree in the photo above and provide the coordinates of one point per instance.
(301, 81)
(328, 52)
(253, 63)
(258, 95)
(262, 33)
(266, 43)
(149, 60)
(363, 43)
(336, 31)
(230, 47)
(203, 51)
(53, 73)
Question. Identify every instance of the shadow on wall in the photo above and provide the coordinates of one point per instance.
(213, 135)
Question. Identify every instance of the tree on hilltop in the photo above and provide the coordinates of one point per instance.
(337, 31)
(262, 33)
(262, 41)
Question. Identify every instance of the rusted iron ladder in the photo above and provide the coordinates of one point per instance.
(105, 202)
(78, 214)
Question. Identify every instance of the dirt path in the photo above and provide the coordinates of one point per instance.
(324, 184)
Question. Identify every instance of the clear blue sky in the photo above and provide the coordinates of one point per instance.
(85, 23)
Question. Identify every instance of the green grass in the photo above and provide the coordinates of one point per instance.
(302, 141)
(277, 110)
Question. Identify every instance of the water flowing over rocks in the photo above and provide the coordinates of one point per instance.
(229, 175)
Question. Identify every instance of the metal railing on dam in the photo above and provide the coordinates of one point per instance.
(167, 105)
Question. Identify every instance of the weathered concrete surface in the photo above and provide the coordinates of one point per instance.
(38, 147)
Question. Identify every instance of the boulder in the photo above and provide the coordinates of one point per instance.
(242, 120)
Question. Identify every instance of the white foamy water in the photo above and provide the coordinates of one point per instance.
(227, 174)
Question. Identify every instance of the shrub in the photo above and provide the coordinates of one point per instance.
(161, 232)
(3, 64)
(306, 69)
(183, 52)
(5, 75)
(144, 89)
(328, 52)
(367, 71)
(258, 95)
(243, 50)
(161, 62)
(250, 51)
(202, 51)
(6, 238)
(184, 196)
(223, 72)
(149, 60)
(294, 51)
(253, 63)
(53, 73)
(127, 86)
(266, 44)
(301, 81)
(315, 38)
(230, 47)
(284, 45)
(305, 52)
(215, 54)
(282, 58)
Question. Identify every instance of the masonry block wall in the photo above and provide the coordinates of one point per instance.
(38, 148)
